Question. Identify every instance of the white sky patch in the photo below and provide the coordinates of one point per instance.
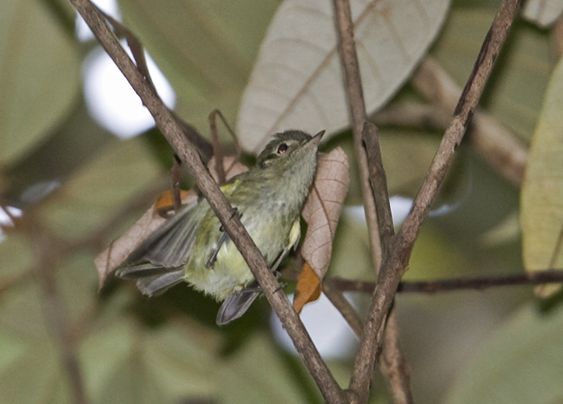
(400, 208)
(5, 220)
(110, 7)
(330, 332)
(112, 102)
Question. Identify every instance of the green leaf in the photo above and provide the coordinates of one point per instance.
(16, 255)
(125, 362)
(30, 362)
(542, 191)
(100, 188)
(257, 374)
(39, 75)
(519, 363)
(205, 48)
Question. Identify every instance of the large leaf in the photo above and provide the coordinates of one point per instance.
(34, 50)
(205, 48)
(126, 363)
(542, 192)
(29, 356)
(98, 189)
(520, 363)
(279, 384)
(297, 80)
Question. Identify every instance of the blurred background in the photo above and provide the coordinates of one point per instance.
(80, 161)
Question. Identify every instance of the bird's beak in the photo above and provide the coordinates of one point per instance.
(317, 138)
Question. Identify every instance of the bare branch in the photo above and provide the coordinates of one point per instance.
(376, 205)
(344, 307)
(230, 221)
(453, 284)
(395, 265)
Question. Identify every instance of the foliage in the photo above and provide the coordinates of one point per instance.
(80, 187)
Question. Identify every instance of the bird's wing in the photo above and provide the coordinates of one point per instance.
(237, 304)
(168, 247)
(158, 262)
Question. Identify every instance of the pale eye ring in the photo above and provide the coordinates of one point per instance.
(282, 148)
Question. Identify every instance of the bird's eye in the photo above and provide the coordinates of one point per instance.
(282, 148)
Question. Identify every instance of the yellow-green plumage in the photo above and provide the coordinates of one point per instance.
(268, 198)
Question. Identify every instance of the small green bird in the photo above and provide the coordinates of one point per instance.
(193, 247)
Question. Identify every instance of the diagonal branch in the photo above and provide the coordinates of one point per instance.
(230, 221)
(395, 265)
(376, 204)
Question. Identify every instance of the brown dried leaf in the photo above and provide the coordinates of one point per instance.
(323, 207)
(164, 204)
(308, 288)
(108, 260)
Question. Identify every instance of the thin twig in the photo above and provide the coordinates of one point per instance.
(226, 214)
(375, 204)
(454, 284)
(394, 267)
(378, 181)
(498, 146)
(217, 149)
(344, 307)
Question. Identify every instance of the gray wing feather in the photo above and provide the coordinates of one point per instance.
(237, 304)
(170, 245)
(157, 284)
(158, 263)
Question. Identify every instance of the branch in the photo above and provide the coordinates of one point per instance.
(376, 205)
(347, 311)
(453, 284)
(498, 146)
(230, 221)
(395, 265)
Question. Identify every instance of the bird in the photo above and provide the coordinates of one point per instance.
(193, 247)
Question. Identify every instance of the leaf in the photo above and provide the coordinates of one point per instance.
(308, 288)
(297, 81)
(323, 207)
(29, 355)
(542, 191)
(205, 48)
(542, 12)
(120, 173)
(243, 378)
(35, 95)
(519, 363)
(164, 204)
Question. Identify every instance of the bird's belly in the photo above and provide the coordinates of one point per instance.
(230, 273)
